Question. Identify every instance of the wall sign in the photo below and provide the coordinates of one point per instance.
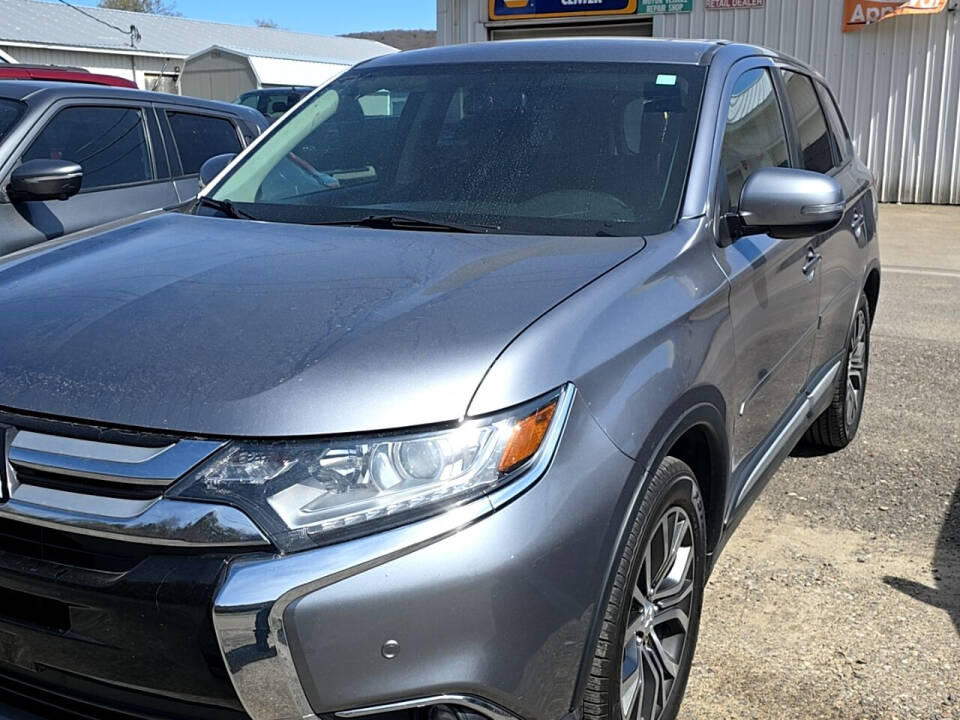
(656, 7)
(857, 14)
(520, 9)
(734, 4)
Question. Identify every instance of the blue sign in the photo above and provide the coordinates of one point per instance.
(517, 9)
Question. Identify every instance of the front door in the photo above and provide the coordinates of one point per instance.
(774, 285)
(110, 143)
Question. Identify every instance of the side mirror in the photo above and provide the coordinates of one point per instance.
(45, 180)
(213, 167)
(787, 203)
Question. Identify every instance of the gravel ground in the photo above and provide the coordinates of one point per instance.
(839, 595)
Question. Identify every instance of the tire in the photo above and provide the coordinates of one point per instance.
(837, 426)
(672, 496)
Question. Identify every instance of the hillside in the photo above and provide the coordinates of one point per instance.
(402, 39)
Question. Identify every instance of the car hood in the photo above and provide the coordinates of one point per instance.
(222, 327)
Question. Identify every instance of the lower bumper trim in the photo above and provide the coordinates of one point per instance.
(478, 705)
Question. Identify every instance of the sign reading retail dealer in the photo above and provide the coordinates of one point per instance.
(857, 14)
(734, 4)
(519, 9)
(654, 7)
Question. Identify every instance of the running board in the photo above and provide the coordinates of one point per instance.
(800, 418)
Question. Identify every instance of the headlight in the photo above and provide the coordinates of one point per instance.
(310, 492)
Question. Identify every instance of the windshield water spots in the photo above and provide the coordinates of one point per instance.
(546, 148)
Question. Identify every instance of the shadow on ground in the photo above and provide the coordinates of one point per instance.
(946, 563)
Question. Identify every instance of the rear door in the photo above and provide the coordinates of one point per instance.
(196, 137)
(825, 147)
(110, 141)
(774, 291)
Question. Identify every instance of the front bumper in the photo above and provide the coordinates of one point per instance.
(492, 603)
(91, 627)
(490, 607)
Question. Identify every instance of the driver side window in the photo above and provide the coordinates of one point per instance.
(755, 136)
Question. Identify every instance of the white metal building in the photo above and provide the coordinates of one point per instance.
(220, 73)
(51, 33)
(898, 81)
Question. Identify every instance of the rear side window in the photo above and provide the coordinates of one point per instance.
(755, 136)
(109, 143)
(816, 149)
(837, 127)
(201, 137)
(275, 105)
(10, 112)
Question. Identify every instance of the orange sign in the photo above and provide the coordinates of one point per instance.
(857, 14)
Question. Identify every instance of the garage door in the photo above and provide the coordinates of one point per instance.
(631, 28)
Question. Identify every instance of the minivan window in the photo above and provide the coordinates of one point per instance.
(755, 136)
(816, 150)
(546, 148)
(10, 112)
(109, 143)
(201, 137)
(837, 128)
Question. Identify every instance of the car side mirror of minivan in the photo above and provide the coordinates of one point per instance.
(789, 203)
(213, 167)
(45, 180)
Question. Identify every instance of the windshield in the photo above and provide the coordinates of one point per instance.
(545, 148)
(10, 111)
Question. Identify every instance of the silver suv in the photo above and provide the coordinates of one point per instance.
(441, 401)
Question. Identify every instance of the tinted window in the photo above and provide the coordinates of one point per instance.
(546, 148)
(200, 137)
(276, 104)
(755, 136)
(816, 150)
(837, 128)
(10, 112)
(250, 100)
(109, 143)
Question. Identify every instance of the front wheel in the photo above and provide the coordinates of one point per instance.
(649, 633)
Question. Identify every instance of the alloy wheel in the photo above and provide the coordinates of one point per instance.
(856, 369)
(659, 617)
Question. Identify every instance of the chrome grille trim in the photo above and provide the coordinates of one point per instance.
(171, 523)
(108, 462)
(79, 503)
(149, 520)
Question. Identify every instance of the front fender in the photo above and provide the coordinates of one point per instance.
(633, 342)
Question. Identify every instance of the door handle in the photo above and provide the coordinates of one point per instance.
(810, 266)
(857, 223)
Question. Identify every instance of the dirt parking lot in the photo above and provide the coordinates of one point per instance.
(839, 595)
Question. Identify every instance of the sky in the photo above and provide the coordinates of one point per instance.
(324, 17)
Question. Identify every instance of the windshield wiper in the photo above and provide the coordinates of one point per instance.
(406, 222)
(226, 207)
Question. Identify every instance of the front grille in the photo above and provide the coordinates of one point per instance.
(86, 486)
(70, 550)
(99, 702)
(39, 612)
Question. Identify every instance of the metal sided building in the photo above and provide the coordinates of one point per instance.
(898, 80)
(155, 50)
